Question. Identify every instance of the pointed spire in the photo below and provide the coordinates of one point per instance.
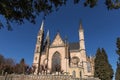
(47, 40)
(42, 25)
(47, 36)
(81, 28)
(47, 33)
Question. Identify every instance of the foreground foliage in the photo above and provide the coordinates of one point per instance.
(7, 65)
(103, 69)
(117, 74)
(20, 10)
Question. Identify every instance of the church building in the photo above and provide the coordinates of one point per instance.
(61, 57)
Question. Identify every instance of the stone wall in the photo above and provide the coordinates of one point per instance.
(42, 77)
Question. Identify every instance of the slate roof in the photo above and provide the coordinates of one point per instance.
(74, 46)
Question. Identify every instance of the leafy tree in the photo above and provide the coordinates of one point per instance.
(23, 66)
(108, 66)
(103, 69)
(6, 65)
(118, 51)
(16, 69)
(1, 63)
(1, 59)
(117, 75)
(97, 63)
(20, 10)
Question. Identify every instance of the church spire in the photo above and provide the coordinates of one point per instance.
(47, 34)
(41, 31)
(42, 25)
(38, 49)
(80, 28)
(47, 39)
(81, 37)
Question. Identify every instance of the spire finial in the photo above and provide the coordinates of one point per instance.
(42, 25)
(81, 25)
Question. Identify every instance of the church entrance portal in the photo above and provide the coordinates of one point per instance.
(56, 62)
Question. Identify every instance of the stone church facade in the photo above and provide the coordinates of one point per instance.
(62, 57)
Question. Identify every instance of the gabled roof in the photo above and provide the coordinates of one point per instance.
(57, 41)
(74, 46)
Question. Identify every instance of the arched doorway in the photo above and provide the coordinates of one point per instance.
(56, 62)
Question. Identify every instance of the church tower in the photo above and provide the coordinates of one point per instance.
(82, 49)
(81, 40)
(38, 49)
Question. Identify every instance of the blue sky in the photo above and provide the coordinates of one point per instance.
(101, 27)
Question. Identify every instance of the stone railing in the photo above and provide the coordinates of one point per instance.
(41, 77)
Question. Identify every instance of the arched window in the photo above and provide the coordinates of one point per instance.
(88, 66)
(74, 74)
(56, 62)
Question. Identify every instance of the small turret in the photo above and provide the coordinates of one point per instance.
(81, 28)
(81, 37)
